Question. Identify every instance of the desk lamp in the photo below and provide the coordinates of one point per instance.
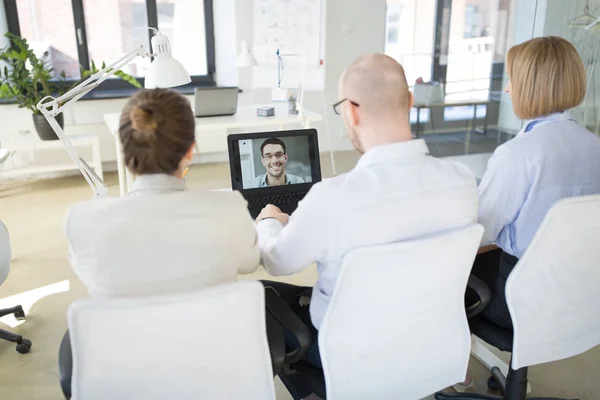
(164, 71)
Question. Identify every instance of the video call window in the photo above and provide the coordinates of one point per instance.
(268, 162)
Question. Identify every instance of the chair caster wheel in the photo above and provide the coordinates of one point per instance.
(492, 384)
(19, 315)
(24, 346)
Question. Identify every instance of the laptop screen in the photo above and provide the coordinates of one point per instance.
(274, 159)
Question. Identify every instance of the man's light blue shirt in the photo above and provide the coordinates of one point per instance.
(261, 181)
(551, 158)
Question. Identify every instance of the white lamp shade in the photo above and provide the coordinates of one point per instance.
(166, 73)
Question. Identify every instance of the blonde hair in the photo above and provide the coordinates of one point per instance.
(547, 76)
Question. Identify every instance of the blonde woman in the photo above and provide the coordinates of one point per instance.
(551, 158)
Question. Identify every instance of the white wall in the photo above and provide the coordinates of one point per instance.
(351, 28)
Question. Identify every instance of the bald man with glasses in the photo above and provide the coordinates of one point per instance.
(396, 192)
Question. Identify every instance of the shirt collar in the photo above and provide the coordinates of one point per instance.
(410, 148)
(556, 117)
(263, 182)
(157, 182)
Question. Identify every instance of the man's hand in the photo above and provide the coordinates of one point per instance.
(270, 211)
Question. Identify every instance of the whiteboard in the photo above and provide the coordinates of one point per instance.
(293, 26)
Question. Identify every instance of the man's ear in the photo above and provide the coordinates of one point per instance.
(352, 111)
(411, 101)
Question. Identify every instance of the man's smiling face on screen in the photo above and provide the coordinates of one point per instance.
(274, 159)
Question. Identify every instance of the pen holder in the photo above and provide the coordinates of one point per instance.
(292, 106)
(292, 97)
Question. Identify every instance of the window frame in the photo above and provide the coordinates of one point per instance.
(114, 88)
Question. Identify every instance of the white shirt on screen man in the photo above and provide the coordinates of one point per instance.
(261, 181)
(161, 239)
(396, 192)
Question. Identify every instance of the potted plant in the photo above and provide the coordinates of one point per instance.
(27, 79)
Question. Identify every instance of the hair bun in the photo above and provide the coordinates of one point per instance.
(144, 121)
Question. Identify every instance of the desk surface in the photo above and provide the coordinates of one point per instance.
(455, 103)
(244, 118)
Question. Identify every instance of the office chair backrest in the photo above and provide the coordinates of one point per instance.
(5, 255)
(553, 293)
(396, 326)
(3, 157)
(209, 344)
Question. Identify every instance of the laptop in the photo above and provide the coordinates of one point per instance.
(276, 168)
(215, 101)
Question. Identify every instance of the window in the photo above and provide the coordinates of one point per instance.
(394, 12)
(409, 36)
(78, 32)
(179, 20)
(37, 20)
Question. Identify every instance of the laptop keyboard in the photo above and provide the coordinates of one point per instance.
(275, 199)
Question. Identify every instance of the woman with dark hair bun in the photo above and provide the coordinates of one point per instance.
(160, 238)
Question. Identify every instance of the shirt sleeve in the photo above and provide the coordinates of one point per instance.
(290, 249)
(502, 192)
(245, 240)
(250, 250)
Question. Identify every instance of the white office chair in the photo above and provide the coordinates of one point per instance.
(4, 154)
(553, 296)
(209, 344)
(381, 336)
(23, 345)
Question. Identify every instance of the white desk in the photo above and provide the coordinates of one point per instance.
(245, 118)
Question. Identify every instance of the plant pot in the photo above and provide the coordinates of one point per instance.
(43, 128)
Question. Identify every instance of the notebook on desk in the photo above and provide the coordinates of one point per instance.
(276, 168)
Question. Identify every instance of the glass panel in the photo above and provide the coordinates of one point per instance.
(109, 25)
(183, 22)
(409, 36)
(569, 19)
(479, 30)
(37, 20)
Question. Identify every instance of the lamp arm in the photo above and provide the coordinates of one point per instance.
(56, 105)
(590, 26)
(50, 107)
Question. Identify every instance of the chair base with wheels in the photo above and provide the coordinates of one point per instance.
(511, 387)
(23, 345)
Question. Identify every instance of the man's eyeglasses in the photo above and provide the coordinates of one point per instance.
(337, 109)
(279, 155)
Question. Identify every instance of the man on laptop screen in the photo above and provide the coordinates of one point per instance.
(274, 158)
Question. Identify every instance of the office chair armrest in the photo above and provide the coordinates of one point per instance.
(289, 321)
(483, 292)
(276, 340)
(65, 365)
